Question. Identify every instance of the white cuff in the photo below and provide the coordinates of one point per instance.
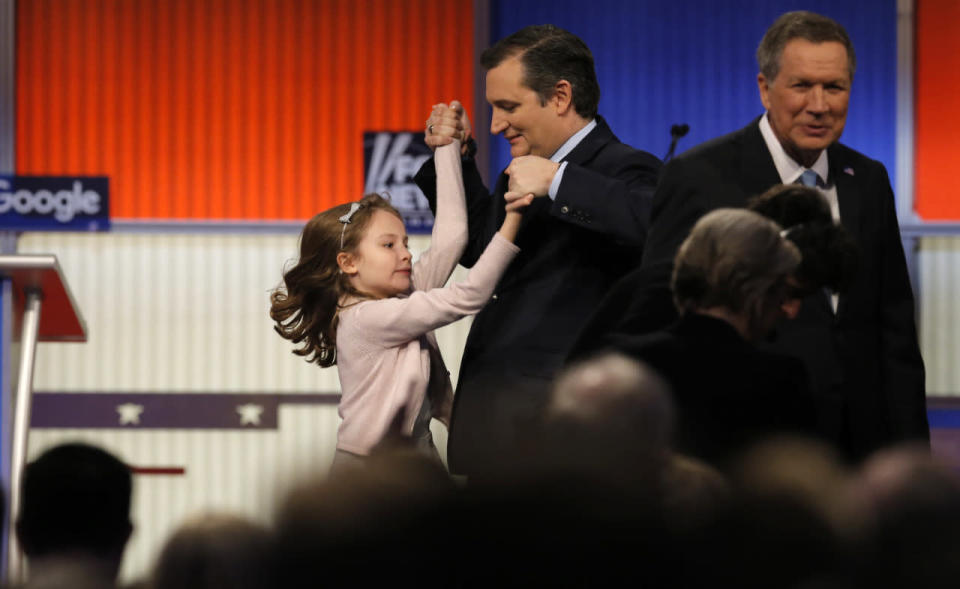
(555, 184)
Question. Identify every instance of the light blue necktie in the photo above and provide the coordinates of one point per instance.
(812, 179)
(809, 178)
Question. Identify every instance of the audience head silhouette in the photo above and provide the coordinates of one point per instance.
(76, 505)
(215, 551)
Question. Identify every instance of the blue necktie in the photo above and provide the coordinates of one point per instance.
(809, 178)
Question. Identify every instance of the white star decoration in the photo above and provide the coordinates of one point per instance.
(129, 413)
(250, 413)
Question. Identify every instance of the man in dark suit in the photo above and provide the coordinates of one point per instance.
(860, 348)
(589, 197)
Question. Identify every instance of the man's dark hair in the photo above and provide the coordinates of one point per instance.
(800, 24)
(550, 54)
(76, 498)
(830, 256)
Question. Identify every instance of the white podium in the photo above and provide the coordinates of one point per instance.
(31, 282)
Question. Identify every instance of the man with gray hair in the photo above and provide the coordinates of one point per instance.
(732, 281)
(859, 347)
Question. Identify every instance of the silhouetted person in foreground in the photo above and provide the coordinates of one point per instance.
(787, 525)
(217, 551)
(733, 281)
(584, 505)
(609, 418)
(612, 418)
(75, 513)
(384, 523)
(912, 531)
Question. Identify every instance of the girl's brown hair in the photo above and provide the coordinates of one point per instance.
(305, 308)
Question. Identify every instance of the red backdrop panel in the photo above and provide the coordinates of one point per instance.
(937, 195)
(229, 109)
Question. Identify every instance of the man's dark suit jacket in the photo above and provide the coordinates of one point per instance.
(864, 362)
(571, 251)
(728, 393)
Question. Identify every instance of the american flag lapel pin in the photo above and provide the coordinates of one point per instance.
(848, 171)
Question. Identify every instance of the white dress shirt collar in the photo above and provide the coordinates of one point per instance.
(787, 167)
(573, 141)
(790, 171)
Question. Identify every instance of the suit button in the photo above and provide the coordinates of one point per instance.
(494, 297)
(564, 209)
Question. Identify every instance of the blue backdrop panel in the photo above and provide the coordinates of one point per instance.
(692, 61)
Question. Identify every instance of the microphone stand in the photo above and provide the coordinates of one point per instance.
(676, 132)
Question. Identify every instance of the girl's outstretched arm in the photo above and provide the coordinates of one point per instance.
(516, 202)
(396, 320)
(511, 224)
(449, 237)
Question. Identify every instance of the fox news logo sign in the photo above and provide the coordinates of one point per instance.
(54, 203)
(390, 160)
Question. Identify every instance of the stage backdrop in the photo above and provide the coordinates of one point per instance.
(661, 63)
(229, 109)
(937, 122)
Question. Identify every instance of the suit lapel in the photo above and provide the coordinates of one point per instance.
(538, 208)
(849, 200)
(503, 183)
(757, 170)
(591, 144)
(585, 151)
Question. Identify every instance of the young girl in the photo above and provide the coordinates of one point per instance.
(354, 300)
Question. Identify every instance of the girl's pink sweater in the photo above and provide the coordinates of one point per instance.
(387, 355)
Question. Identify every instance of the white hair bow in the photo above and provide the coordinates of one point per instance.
(345, 219)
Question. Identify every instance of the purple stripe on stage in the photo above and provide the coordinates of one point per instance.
(165, 410)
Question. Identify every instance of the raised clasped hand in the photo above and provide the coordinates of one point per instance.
(446, 123)
(531, 174)
(517, 201)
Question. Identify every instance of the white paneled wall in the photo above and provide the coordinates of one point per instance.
(939, 303)
(179, 312)
(189, 313)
